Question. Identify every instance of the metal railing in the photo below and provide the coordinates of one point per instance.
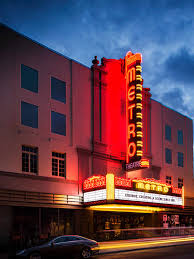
(12, 196)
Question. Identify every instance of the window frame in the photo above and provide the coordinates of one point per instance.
(22, 120)
(180, 182)
(178, 156)
(59, 157)
(30, 154)
(166, 130)
(52, 125)
(166, 161)
(52, 90)
(169, 179)
(22, 67)
(178, 131)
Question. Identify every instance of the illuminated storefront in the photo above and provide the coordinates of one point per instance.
(120, 204)
(125, 144)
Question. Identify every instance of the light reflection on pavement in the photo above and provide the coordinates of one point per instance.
(176, 252)
(127, 245)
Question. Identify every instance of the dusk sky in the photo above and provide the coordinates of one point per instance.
(162, 30)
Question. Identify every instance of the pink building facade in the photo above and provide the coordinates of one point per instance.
(54, 138)
(62, 122)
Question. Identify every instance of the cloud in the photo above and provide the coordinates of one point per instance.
(179, 67)
(162, 30)
(174, 98)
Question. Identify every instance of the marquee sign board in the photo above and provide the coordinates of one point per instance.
(145, 197)
(92, 196)
(101, 189)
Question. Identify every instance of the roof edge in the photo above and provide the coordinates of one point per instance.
(42, 45)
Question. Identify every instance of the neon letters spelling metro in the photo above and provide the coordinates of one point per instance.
(133, 107)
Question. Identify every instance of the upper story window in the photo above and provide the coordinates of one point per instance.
(30, 159)
(180, 137)
(169, 179)
(58, 90)
(29, 115)
(180, 182)
(167, 132)
(59, 164)
(168, 156)
(58, 123)
(29, 78)
(180, 159)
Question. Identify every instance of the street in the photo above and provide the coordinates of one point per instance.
(178, 252)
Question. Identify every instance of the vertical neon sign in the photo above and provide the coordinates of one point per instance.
(133, 107)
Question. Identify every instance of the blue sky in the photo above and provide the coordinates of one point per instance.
(162, 30)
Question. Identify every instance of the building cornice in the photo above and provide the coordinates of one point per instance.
(37, 177)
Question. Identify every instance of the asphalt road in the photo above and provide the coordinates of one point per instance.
(176, 252)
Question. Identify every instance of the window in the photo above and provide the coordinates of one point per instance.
(29, 115)
(168, 132)
(180, 137)
(59, 164)
(73, 238)
(180, 159)
(58, 90)
(58, 123)
(180, 182)
(61, 240)
(168, 156)
(66, 239)
(29, 79)
(169, 179)
(30, 159)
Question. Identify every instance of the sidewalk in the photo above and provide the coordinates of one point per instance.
(138, 244)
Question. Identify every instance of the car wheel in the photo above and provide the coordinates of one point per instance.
(35, 255)
(86, 252)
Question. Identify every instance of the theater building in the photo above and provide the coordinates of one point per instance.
(75, 138)
(144, 144)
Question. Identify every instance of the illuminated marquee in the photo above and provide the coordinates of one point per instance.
(94, 182)
(101, 189)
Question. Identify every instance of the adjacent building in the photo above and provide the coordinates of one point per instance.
(62, 123)
(45, 130)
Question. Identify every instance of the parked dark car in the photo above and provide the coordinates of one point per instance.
(69, 246)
